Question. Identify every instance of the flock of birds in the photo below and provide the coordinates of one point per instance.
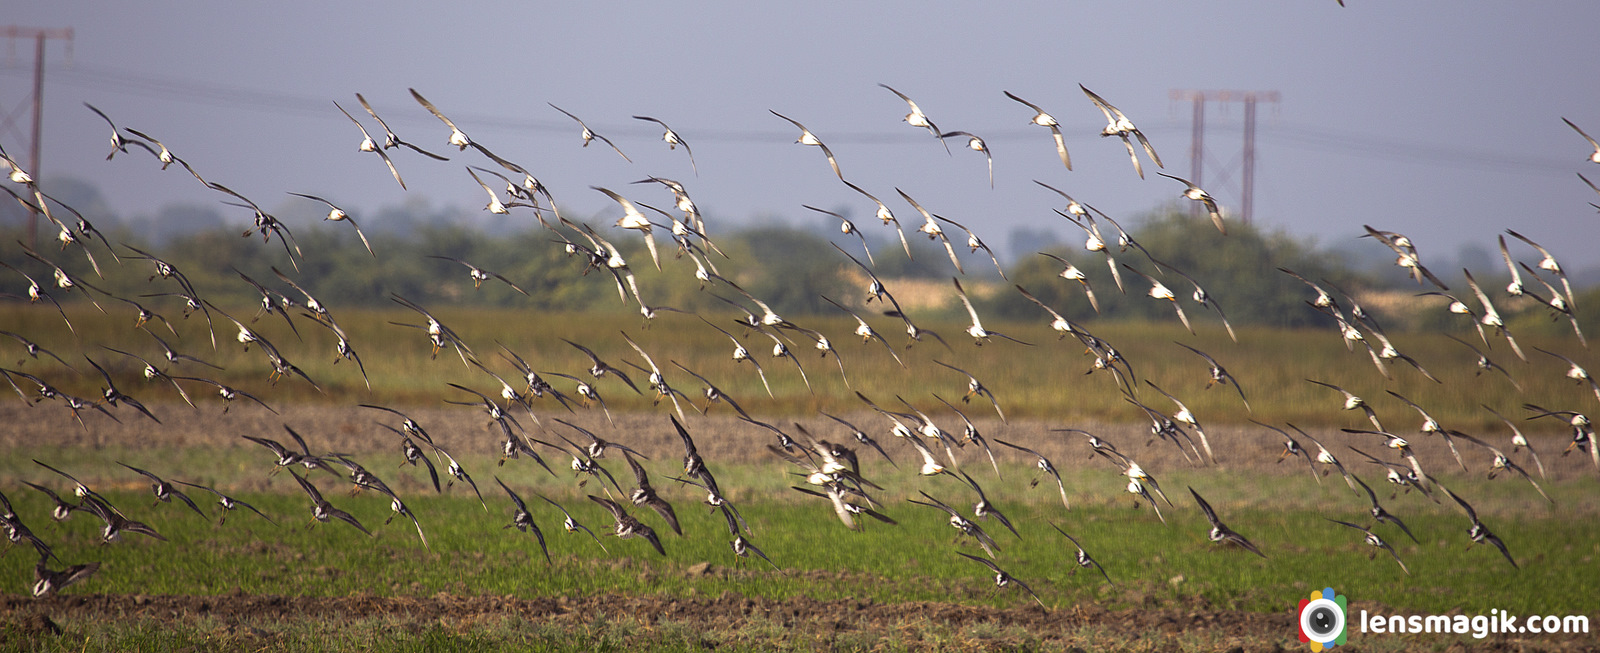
(830, 467)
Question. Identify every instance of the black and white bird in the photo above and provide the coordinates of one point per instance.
(47, 581)
(522, 520)
(1082, 559)
(673, 140)
(1479, 533)
(845, 504)
(861, 437)
(848, 228)
(397, 506)
(1519, 441)
(1220, 533)
(980, 335)
(985, 509)
(590, 135)
(1043, 119)
(572, 525)
(119, 143)
(1583, 437)
(458, 138)
(645, 495)
(975, 144)
(919, 119)
(166, 157)
(930, 227)
(1576, 372)
(1431, 426)
(1199, 194)
(960, 523)
(885, 216)
(370, 145)
(321, 510)
(1484, 363)
(1045, 466)
(1593, 157)
(32, 349)
(115, 522)
(1406, 255)
(1491, 317)
(336, 214)
(392, 140)
(1159, 290)
(808, 138)
(1002, 578)
(1372, 539)
(480, 275)
(1379, 514)
(228, 503)
(625, 526)
(1219, 374)
(974, 243)
(1503, 462)
(164, 490)
(633, 218)
(17, 532)
(1117, 124)
(287, 457)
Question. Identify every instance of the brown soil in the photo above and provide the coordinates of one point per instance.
(720, 437)
(1088, 625)
(716, 613)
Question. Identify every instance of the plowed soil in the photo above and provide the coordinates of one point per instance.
(252, 620)
(720, 436)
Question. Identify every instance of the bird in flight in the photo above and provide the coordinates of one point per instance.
(808, 138)
(1043, 119)
(919, 119)
(589, 135)
(1221, 533)
(1117, 124)
(673, 140)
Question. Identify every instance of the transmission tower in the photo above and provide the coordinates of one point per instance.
(8, 117)
(1197, 146)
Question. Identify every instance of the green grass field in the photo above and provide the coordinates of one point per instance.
(1152, 566)
(817, 557)
(1156, 569)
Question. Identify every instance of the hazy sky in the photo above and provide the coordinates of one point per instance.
(1439, 119)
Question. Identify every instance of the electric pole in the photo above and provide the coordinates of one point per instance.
(1197, 147)
(12, 33)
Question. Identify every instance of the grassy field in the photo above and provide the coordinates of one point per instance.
(204, 588)
(1152, 566)
(1045, 380)
(469, 553)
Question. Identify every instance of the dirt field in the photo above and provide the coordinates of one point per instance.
(720, 436)
(248, 614)
(254, 622)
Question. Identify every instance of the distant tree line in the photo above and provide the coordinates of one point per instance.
(790, 268)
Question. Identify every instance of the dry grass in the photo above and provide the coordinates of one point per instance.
(1045, 380)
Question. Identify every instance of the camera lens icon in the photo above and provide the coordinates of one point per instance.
(1322, 619)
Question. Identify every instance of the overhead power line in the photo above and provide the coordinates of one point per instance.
(1314, 138)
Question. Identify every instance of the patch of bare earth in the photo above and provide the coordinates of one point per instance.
(1083, 625)
(720, 437)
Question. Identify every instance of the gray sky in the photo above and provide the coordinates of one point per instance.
(1438, 119)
